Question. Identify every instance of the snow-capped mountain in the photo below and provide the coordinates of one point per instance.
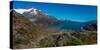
(37, 16)
(30, 13)
(31, 10)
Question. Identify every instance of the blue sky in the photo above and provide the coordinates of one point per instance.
(80, 13)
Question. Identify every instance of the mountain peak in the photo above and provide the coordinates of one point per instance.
(33, 10)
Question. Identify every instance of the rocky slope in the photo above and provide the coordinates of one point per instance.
(69, 38)
(24, 31)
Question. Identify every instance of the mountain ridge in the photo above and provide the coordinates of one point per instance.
(46, 21)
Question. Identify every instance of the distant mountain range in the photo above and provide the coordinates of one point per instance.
(73, 25)
(47, 21)
(90, 25)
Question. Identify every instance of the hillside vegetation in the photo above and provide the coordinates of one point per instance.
(27, 34)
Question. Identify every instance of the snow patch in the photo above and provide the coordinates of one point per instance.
(21, 11)
(31, 10)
